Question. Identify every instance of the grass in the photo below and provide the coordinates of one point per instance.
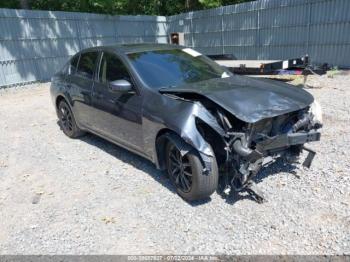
(298, 80)
(333, 72)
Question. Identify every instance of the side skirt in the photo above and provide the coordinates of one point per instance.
(118, 143)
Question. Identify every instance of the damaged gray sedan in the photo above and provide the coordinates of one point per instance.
(185, 113)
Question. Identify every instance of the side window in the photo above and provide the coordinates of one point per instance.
(87, 64)
(72, 66)
(112, 68)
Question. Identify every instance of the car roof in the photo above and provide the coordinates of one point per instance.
(133, 48)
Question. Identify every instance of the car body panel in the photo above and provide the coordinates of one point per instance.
(177, 115)
(80, 91)
(249, 99)
(118, 115)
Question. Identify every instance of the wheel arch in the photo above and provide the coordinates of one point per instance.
(63, 97)
(213, 137)
(161, 141)
(166, 135)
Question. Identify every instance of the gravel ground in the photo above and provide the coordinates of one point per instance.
(83, 196)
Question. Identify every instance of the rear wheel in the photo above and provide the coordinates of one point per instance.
(67, 121)
(186, 173)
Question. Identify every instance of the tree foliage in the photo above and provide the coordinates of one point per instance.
(119, 7)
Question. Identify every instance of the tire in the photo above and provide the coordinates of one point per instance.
(198, 186)
(67, 121)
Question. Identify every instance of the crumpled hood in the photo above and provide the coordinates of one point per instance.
(249, 99)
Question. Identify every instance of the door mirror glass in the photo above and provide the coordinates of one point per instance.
(120, 86)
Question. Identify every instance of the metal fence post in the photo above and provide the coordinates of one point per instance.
(308, 28)
(2, 75)
(78, 32)
(258, 48)
(35, 59)
(222, 31)
(115, 19)
(192, 31)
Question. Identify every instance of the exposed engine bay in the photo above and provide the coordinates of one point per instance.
(247, 147)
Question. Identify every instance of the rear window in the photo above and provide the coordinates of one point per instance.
(87, 64)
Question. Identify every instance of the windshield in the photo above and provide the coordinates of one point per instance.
(175, 67)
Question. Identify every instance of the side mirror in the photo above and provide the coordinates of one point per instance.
(120, 86)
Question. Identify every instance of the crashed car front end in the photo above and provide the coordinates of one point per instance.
(259, 144)
(242, 147)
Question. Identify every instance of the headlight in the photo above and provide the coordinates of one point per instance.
(316, 114)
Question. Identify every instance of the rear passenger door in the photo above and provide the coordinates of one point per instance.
(118, 112)
(80, 84)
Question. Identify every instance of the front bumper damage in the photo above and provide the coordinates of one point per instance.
(280, 141)
(243, 163)
(242, 139)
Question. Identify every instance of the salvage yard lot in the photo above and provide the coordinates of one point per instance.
(64, 196)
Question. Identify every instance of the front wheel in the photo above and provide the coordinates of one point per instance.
(186, 173)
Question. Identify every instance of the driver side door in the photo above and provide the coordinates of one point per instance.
(117, 113)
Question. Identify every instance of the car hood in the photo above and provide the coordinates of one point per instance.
(249, 99)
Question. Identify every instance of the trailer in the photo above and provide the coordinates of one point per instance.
(295, 66)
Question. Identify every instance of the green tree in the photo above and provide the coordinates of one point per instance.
(10, 4)
(121, 7)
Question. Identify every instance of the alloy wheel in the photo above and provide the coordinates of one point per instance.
(66, 118)
(180, 170)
